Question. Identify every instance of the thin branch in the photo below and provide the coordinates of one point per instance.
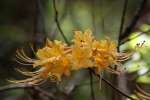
(122, 19)
(72, 14)
(102, 16)
(93, 15)
(94, 28)
(129, 39)
(134, 21)
(114, 80)
(27, 86)
(61, 18)
(91, 85)
(116, 89)
(57, 22)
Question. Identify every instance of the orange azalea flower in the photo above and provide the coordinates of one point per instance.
(83, 39)
(82, 50)
(105, 54)
(51, 61)
(56, 59)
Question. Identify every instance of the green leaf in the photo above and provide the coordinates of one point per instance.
(144, 79)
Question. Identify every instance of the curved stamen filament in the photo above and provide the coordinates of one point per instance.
(21, 57)
(22, 62)
(142, 91)
(27, 73)
(23, 53)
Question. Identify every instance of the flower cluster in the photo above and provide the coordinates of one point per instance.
(57, 59)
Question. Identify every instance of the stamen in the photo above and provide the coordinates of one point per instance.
(21, 57)
(143, 96)
(27, 73)
(23, 53)
(142, 91)
(31, 46)
(39, 62)
(22, 63)
(68, 51)
(140, 45)
(113, 71)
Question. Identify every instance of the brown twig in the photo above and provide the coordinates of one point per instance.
(27, 86)
(134, 21)
(128, 39)
(94, 28)
(114, 78)
(116, 89)
(93, 15)
(119, 91)
(57, 22)
(122, 19)
(91, 85)
(53, 34)
(102, 18)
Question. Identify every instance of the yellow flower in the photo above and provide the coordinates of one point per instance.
(56, 59)
(56, 69)
(82, 50)
(83, 39)
(105, 54)
(50, 53)
(51, 62)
